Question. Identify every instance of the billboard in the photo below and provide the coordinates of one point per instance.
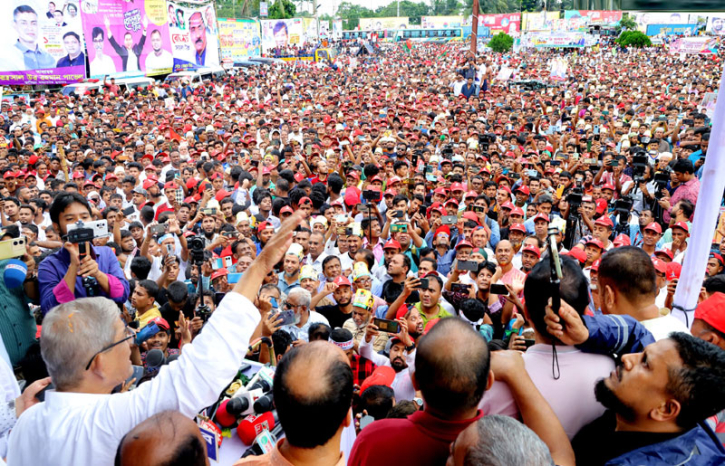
(601, 17)
(127, 39)
(700, 45)
(375, 24)
(557, 39)
(282, 33)
(644, 19)
(42, 44)
(541, 21)
(441, 22)
(672, 29)
(194, 34)
(716, 25)
(239, 39)
(510, 23)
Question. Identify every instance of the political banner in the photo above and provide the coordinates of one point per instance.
(540, 21)
(127, 39)
(282, 33)
(337, 28)
(376, 24)
(558, 69)
(324, 29)
(716, 25)
(41, 44)
(557, 39)
(672, 29)
(644, 19)
(309, 26)
(194, 34)
(239, 39)
(599, 17)
(703, 45)
(510, 23)
(441, 22)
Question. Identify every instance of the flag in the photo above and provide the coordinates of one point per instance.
(174, 135)
(408, 45)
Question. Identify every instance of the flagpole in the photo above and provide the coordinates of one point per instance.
(706, 216)
(474, 27)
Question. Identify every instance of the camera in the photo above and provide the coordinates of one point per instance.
(196, 246)
(575, 200)
(639, 166)
(203, 312)
(80, 235)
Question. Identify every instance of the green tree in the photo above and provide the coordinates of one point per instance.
(633, 39)
(627, 22)
(282, 9)
(531, 5)
(501, 42)
(352, 14)
(407, 8)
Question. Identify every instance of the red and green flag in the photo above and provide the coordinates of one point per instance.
(408, 45)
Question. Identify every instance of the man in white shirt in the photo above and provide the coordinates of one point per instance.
(85, 347)
(628, 285)
(158, 59)
(402, 356)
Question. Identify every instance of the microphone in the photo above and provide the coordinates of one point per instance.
(237, 406)
(147, 332)
(172, 358)
(155, 359)
(15, 273)
(264, 403)
(264, 442)
(253, 425)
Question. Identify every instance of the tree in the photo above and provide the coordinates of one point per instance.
(352, 13)
(407, 8)
(627, 22)
(633, 39)
(501, 42)
(282, 9)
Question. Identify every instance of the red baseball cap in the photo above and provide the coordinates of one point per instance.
(532, 249)
(609, 186)
(392, 244)
(595, 265)
(286, 210)
(541, 217)
(577, 254)
(160, 322)
(596, 242)
(517, 211)
(219, 273)
(148, 183)
(342, 281)
(518, 227)
(654, 226)
(682, 226)
(666, 252)
(673, 271)
(660, 265)
(457, 187)
(508, 205)
(523, 189)
(463, 244)
(605, 222)
(382, 375)
(712, 311)
(622, 240)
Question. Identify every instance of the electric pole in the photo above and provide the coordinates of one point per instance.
(474, 28)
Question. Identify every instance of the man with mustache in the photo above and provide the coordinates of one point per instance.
(402, 354)
(197, 31)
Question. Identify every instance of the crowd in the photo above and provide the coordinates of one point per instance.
(379, 231)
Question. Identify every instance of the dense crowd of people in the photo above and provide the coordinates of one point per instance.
(380, 232)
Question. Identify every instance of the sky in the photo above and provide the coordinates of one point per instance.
(329, 6)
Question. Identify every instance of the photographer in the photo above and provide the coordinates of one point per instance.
(65, 275)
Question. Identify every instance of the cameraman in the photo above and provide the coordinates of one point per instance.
(61, 275)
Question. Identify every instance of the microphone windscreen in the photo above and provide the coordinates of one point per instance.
(15, 273)
(264, 403)
(253, 425)
(172, 358)
(155, 358)
(223, 417)
(237, 406)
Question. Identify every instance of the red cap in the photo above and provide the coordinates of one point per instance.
(523, 189)
(440, 190)
(510, 206)
(160, 322)
(170, 185)
(471, 216)
(470, 194)
(577, 254)
(717, 256)
(442, 230)
(673, 271)
(517, 211)
(382, 375)
(609, 186)
(286, 210)
(148, 183)
(596, 243)
(342, 281)
(654, 226)
(219, 273)
(682, 226)
(541, 217)
(660, 265)
(622, 240)
(191, 183)
(712, 311)
(595, 265)
(604, 222)
(463, 244)
(457, 187)
(666, 252)
(392, 244)
(518, 227)
(532, 249)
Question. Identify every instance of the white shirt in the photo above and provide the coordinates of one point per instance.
(661, 327)
(102, 66)
(402, 385)
(81, 428)
(163, 62)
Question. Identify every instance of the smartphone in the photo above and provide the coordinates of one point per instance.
(470, 266)
(209, 211)
(398, 214)
(12, 248)
(460, 288)
(529, 342)
(308, 150)
(497, 288)
(589, 162)
(398, 227)
(385, 325)
(288, 317)
(128, 211)
(424, 282)
(228, 262)
(449, 220)
(596, 129)
(157, 230)
(169, 249)
(273, 301)
(371, 195)
(100, 227)
(614, 163)
(366, 421)
(217, 263)
(234, 277)
(532, 173)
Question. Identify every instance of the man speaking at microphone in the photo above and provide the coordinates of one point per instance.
(85, 346)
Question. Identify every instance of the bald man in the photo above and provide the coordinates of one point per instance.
(313, 395)
(168, 437)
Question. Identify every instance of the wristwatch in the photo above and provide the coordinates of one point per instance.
(410, 348)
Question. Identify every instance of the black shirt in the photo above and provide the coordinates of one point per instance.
(334, 315)
(598, 442)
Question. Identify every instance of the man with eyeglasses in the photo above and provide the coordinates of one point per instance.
(298, 300)
(84, 345)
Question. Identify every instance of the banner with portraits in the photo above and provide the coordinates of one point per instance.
(441, 22)
(42, 43)
(239, 39)
(509, 23)
(194, 34)
(127, 39)
(376, 24)
(282, 33)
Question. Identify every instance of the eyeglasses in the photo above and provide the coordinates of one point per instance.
(289, 306)
(129, 334)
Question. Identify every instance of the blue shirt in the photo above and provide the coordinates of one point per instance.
(284, 288)
(35, 59)
(68, 61)
(53, 268)
(17, 324)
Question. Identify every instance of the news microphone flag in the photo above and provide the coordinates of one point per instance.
(253, 425)
(15, 273)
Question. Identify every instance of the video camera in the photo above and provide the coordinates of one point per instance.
(82, 232)
(197, 246)
(484, 141)
(639, 166)
(661, 179)
(575, 200)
